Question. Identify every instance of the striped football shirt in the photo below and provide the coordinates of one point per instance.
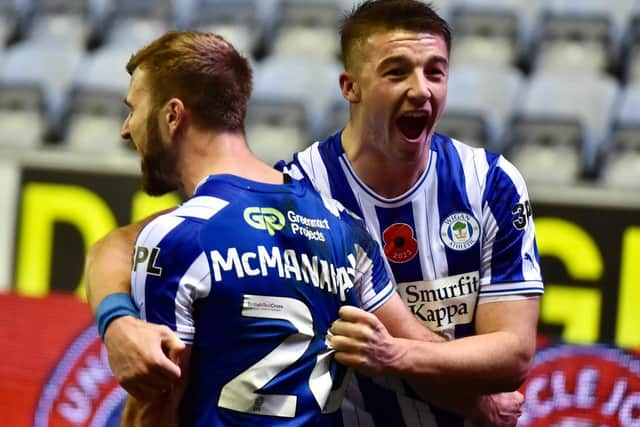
(462, 235)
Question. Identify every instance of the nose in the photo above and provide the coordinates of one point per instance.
(419, 91)
(124, 130)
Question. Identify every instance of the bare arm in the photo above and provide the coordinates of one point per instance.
(136, 349)
(162, 410)
(367, 342)
(108, 264)
(496, 359)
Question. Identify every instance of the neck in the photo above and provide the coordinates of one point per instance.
(386, 176)
(204, 153)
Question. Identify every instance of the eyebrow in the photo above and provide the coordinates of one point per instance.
(391, 60)
(440, 60)
(400, 59)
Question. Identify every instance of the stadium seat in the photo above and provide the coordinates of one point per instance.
(477, 113)
(96, 118)
(584, 36)
(61, 22)
(22, 122)
(621, 156)
(275, 129)
(630, 54)
(96, 107)
(493, 31)
(14, 20)
(307, 28)
(237, 21)
(136, 23)
(7, 20)
(105, 69)
(34, 63)
(311, 88)
(559, 125)
(313, 81)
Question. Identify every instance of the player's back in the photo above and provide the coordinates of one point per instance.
(257, 276)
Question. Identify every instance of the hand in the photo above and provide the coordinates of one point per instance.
(499, 410)
(361, 341)
(144, 357)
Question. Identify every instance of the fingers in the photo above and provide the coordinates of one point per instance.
(343, 343)
(519, 398)
(353, 314)
(355, 323)
(173, 348)
(354, 360)
(144, 357)
(167, 365)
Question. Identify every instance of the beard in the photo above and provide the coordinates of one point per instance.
(158, 164)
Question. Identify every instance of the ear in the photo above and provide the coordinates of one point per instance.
(174, 115)
(349, 87)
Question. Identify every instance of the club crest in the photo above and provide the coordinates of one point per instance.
(460, 231)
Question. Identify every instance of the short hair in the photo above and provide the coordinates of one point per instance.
(374, 16)
(202, 69)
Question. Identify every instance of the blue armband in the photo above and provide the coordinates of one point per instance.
(112, 307)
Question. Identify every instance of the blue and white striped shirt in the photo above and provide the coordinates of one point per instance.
(252, 275)
(462, 235)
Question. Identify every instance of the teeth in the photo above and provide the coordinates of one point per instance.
(415, 114)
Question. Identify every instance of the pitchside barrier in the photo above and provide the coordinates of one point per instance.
(55, 205)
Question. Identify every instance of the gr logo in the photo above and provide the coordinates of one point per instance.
(269, 219)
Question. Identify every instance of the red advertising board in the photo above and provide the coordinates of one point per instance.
(54, 372)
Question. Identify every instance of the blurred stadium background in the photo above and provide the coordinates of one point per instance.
(552, 84)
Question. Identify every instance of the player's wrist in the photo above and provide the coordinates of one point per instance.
(112, 307)
(399, 363)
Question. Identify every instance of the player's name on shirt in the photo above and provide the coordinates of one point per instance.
(286, 264)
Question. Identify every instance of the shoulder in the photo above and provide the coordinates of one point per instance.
(452, 150)
(314, 160)
(182, 223)
(504, 175)
(488, 168)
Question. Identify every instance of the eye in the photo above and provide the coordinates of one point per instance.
(394, 72)
(436, 73)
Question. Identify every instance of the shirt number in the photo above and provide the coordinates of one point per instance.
(523, 213)
(240, 394)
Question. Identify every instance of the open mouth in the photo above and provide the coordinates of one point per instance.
(412, 124)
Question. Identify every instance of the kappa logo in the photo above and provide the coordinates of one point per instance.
(460, 231)
(400, 245)
(268, 219)
(81, 391)
(582, 386)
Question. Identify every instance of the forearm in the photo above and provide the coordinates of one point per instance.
(481, 364)
(496, 359)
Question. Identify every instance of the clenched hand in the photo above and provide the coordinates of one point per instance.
(361, 341)
(144, 357)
